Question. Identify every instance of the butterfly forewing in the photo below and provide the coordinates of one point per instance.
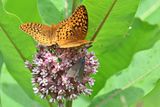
(72, 32)
(79, 21)
(42, 33)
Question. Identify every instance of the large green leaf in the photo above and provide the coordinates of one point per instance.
(81, 100)
(12, 94)
(15, 63)
(75, 4)
(118, 56)
(10, 39)
(149, 10)
(53, 11)
(49, 12)
(150, 100)
(117, 23)
(24, 9)
(9, 25)
(15, 47)
(113, 31)
(1, 62)
(132, 83)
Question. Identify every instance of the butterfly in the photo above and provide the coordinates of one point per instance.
(66, 34)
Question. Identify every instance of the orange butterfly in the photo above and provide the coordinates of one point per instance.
(68, 33)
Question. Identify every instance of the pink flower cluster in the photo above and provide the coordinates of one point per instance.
(62, 73)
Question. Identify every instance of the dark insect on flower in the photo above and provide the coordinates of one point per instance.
(63, 73)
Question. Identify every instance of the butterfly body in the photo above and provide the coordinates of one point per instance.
(68, 33)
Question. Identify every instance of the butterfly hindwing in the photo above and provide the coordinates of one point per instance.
(75, 43)
(41, 33)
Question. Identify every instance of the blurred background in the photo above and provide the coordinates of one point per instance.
(127, 46)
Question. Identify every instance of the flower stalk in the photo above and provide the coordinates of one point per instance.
(60, 104)
(50, 104)
(68, 103)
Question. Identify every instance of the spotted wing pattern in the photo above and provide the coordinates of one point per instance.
(68, 33)
(42, 33)
(71, 32)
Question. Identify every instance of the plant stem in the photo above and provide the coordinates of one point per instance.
(69, 104)
(103, 21)
(60, 104)
(50, 105)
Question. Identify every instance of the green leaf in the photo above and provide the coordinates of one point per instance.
(149, 10)
(150, 100)
(15, 47)
(15, 63)
(48, 11)
(26, 10)
(75, 4)
(12, 94)
(53, 11)
(81, 100)
(9, 25)
(112, 33)
(1, 62)
(132, 83)
(117, 98)
(10, 38)
(117, 57)
(119, 19)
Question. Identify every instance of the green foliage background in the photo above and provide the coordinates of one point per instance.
(127, 46)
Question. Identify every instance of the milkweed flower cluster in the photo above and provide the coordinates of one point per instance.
(60, 73)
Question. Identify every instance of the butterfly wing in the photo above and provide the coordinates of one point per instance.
(79, 21)
(41, 33)
(71, 32)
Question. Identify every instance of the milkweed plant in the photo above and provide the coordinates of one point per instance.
(62, 74)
